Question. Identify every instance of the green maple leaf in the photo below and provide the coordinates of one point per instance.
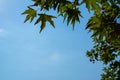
(92, 5)
(31, 14)
(43, 18)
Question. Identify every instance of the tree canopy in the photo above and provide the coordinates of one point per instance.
(104, 26)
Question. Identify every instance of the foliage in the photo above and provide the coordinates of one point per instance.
(104, 26)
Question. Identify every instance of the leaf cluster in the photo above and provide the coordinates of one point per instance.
(64, 8)
(104, 26)
(106, 37)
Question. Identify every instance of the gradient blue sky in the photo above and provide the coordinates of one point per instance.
(55, 54)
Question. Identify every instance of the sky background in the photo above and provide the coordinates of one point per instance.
(54, 54)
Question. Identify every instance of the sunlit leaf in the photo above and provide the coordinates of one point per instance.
(31, 14)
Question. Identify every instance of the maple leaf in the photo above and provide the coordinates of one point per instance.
(31, 14)
(43, 18)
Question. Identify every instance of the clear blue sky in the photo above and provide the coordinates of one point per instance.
(55, 54)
